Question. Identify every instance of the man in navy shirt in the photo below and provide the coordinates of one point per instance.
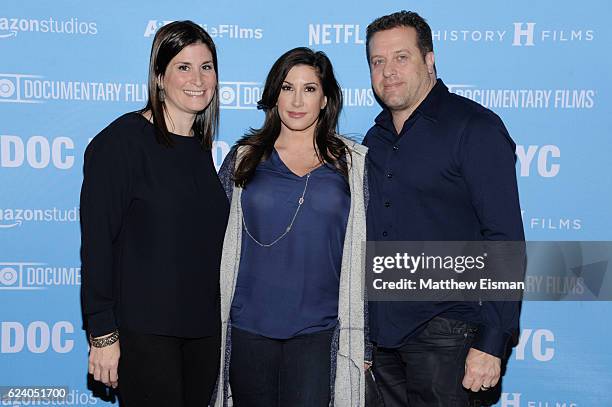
(441, 168)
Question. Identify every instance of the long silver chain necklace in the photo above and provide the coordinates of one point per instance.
(287, 229)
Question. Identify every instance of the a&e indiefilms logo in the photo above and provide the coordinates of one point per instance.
(229, 31)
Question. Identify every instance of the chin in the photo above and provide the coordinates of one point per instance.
(394, 103)
(198, 107)
(298, 125)
(297, 128)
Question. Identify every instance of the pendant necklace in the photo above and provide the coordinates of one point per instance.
(287, 229)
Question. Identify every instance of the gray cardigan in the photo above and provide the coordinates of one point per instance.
(349, 347)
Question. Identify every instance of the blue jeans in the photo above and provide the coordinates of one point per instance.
(292, 372)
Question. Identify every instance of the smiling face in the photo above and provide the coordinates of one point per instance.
(189, 82)
(401, 76)
(301, 99)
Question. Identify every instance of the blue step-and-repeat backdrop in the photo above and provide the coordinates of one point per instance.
(68, 68)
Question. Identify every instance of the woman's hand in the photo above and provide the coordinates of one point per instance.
(104, 363)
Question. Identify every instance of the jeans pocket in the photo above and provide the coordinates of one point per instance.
(449, 327)
(462, 351)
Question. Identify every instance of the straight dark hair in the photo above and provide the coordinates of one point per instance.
(260, 142)
(168, 42)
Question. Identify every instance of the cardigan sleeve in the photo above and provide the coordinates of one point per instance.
(226, 172)
(366, 323)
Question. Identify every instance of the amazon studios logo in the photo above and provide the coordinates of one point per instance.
(14, 217)
(10, 27)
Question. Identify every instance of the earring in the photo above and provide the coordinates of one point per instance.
(162, 95)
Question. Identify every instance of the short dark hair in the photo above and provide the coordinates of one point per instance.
(168, 42)
(402, 19)
(261, 141)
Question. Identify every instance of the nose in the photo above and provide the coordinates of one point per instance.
(298, 98)
(197, 78)
(389, 69)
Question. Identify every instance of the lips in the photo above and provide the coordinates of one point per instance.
(193, 92)
(296, 115)
(390, 86)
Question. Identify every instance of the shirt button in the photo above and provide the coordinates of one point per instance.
(385, 233)
(390, 175)
(387, 204)
(395, 148)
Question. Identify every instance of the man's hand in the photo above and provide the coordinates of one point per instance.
(104, 363)
(481, 370)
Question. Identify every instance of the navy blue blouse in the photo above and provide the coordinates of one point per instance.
(291, 288)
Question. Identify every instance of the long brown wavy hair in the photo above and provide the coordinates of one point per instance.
(260, 142)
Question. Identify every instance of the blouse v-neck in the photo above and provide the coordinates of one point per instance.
(289, 170)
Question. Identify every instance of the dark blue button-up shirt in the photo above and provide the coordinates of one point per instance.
(292, 287)
(447, 176)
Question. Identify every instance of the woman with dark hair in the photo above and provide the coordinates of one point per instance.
(153, 217)
(292, 294)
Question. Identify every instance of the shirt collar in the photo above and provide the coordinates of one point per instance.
(428, 108)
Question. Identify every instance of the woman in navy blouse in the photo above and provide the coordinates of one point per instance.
(294, 198)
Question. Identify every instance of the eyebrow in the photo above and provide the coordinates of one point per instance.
(307, 83)
(189, 63)
(395, 52)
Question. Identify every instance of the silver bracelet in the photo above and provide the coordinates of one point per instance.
(103, 342)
